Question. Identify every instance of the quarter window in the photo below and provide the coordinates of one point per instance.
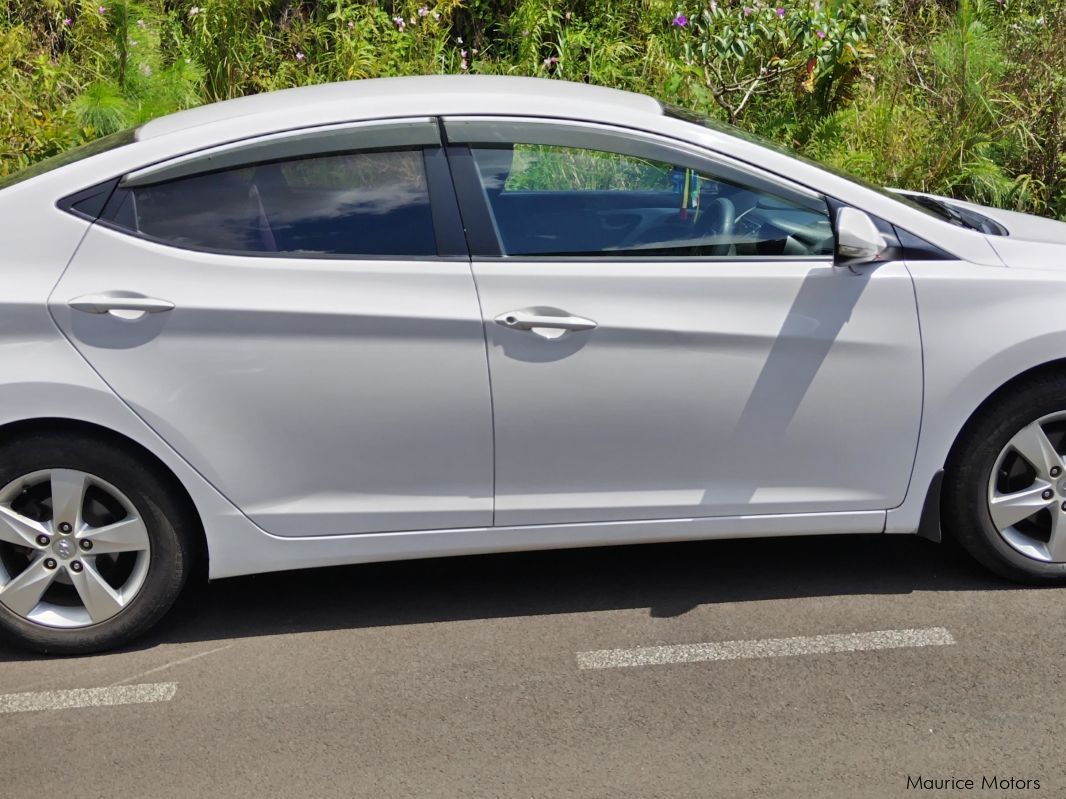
(350, 204)
(567, 201)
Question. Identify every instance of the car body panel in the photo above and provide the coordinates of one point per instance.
(981, 328)
(706, 389)
(981, 324)
(321, 396)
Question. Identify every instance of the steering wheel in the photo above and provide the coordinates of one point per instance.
(717, 218)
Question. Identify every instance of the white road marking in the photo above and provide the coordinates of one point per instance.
(172, 663)
(764, 648)
(88, 697)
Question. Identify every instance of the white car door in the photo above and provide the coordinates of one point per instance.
(295, 318)
(668, 336)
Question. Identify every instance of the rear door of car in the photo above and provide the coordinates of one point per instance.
(296, 316)
(669, 338)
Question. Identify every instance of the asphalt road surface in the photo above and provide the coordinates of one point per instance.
(816, 667)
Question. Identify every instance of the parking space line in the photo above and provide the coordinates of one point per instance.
(765, 648)
(88, 697)
(171, 664)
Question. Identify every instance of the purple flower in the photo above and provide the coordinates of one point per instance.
(423, 11)
(820, 33)
(747, 11)
(713, 6)
(68, 22)
(569, 15)
(102, 9)
(680, 21)
(780, 12)
(463, 65)
(462, 53)
(400, 24)
(550, 62)
(300, 56)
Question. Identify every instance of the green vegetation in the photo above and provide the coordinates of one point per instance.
(961, 97)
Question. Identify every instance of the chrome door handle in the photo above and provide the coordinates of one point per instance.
(105, 303)
(542, 323)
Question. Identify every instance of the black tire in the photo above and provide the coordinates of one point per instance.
(964, 503)
(171, 533)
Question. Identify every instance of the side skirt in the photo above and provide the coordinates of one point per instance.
(248, 550)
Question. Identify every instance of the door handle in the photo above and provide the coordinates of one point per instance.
(105, 303)
(542, 323)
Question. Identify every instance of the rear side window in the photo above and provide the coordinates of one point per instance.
(349, 204)
(570, 201)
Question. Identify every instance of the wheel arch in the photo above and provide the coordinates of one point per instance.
(1057, 366)
(24, 427)
(931, 526)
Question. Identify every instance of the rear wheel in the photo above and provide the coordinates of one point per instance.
(1005, 486)
(93, 549)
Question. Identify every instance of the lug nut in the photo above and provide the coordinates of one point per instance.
(1064, 505)
(75, 566)
(1056, 471)
(85, 544)
(49, 563)
(65, 527)
(1048, 494)
(43, 540)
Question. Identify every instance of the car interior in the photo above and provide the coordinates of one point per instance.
(688, 214)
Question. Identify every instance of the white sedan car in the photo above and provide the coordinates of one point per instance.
(435, 316)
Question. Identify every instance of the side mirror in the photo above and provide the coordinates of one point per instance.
(858, 240)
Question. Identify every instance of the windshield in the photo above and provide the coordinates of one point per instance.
(730, 130)
(95, 147)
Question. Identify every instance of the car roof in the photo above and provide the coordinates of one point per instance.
(415, 96)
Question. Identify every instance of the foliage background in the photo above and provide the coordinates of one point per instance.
(959, 97)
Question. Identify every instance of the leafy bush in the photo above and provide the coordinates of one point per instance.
(963, 97)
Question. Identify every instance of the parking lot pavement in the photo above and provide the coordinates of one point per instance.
(820, 667)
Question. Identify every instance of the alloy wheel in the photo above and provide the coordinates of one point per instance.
(1027, 490)
(73, 549)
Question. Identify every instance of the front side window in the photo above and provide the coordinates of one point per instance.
(350, 204)
(568, 201)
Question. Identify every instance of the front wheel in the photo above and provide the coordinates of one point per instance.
(93, 549)
(1005, 486)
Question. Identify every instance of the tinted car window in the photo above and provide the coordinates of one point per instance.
(552, 200)
(353, 204)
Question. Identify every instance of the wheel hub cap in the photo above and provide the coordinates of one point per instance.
(64, 548)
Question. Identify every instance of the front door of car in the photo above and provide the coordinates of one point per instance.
(286, 314)
(668, 336)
